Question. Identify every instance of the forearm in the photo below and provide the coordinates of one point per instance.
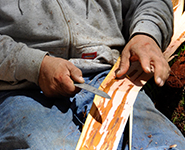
(19, 62)
(154, 18)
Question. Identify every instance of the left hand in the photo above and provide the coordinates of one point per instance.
(145, 49)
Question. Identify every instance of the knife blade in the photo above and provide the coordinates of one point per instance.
(92, 89)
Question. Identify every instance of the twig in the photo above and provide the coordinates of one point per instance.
(130, 128)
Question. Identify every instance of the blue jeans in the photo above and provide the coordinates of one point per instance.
(31, 121)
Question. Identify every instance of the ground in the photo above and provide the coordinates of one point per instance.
(170, 99)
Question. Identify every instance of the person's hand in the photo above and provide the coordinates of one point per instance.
(145, 49)
(56, 77)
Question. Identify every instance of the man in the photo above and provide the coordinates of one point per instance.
(46, 44)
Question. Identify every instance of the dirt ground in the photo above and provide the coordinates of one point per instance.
(176, 83)
(169, 99)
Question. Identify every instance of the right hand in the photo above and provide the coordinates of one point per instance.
(56, 77)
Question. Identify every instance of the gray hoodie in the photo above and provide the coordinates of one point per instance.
(74, 30)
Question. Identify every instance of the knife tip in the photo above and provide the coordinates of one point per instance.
(107, 96)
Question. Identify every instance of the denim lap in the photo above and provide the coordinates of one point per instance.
(29, 120)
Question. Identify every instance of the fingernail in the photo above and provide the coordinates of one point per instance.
(118, 72)
(160, 81)
(81, 79)
(152, 69)
(147, 68)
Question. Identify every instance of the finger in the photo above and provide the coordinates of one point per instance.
(63, 83)
(124, 63)
(145, 64)
(67, 87)
(161, 73)
(70, 74)
(75, 73)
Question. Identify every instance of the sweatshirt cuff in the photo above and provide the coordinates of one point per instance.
(148, 28)
(28, 64)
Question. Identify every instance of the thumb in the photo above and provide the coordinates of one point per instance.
(76, 75)
(123, 66)
(79, 79)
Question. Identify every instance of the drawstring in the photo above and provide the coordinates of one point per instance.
(20, 7)
(87, 8)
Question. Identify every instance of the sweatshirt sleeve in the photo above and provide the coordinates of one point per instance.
(151, 17)
(19, 62)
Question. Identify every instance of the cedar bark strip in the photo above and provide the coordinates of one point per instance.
(107, 118)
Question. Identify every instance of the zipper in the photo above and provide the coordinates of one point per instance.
(69, 28)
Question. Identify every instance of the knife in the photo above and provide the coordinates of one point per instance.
(92, 89)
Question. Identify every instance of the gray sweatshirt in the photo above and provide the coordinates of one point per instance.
(88, 33)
